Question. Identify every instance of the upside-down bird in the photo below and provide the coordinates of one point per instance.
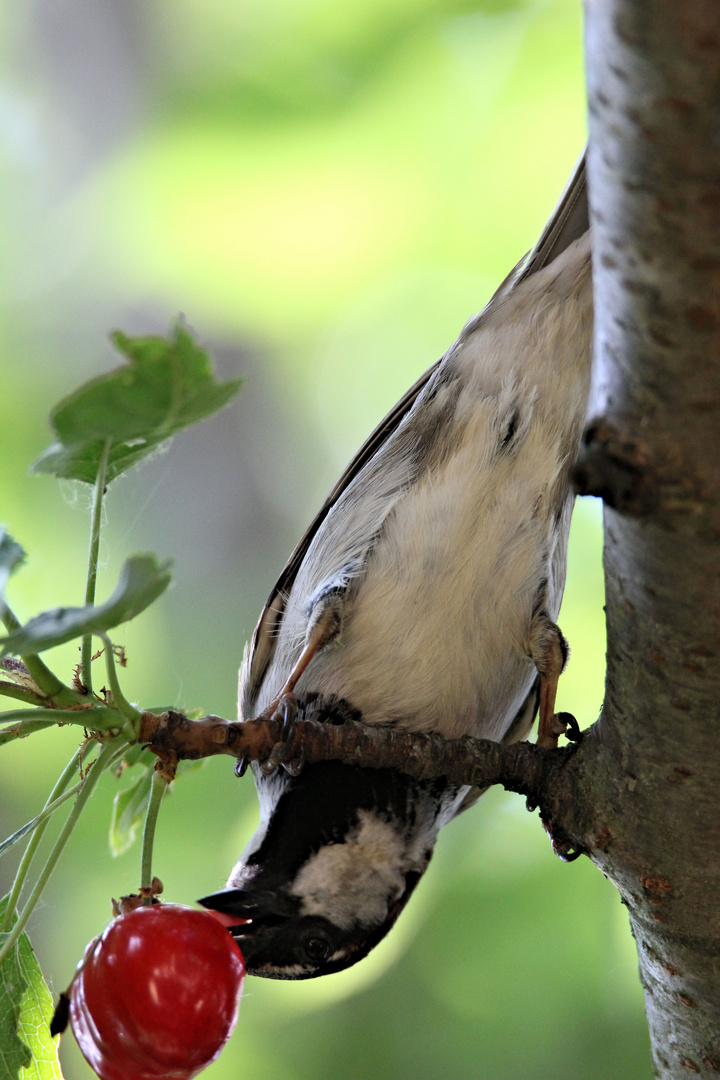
(424, 595)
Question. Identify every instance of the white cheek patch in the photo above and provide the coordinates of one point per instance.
(354, 882)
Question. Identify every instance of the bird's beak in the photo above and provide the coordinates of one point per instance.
(256, 907)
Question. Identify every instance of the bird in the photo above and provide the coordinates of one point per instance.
(424, 595)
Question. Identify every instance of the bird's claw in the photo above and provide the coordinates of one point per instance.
(561, 723)
(565, 849)
(571, 730)
(281, 753)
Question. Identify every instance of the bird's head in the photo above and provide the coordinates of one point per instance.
(337, 855)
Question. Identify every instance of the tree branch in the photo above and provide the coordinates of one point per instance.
(547, 777)
(654, 456)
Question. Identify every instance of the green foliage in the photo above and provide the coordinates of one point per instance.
(128, 812)
(130, 803)
(103, 428)
(27, 1051)
(142, 580)
(167, 385)
(11, 556)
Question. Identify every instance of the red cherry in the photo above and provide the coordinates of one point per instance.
(157, 995)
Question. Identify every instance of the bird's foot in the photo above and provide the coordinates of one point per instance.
(571, 729)
(286, 712)
(555, 725)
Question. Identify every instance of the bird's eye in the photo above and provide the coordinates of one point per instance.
(317, 949)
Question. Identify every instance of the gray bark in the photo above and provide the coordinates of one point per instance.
(647, 774)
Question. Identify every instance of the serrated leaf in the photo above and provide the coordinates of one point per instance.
(142, 580)
(167, 385)
(11, 555)
(128, 812)
(27, 1051)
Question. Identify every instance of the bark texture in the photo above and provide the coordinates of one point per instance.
(647, 774)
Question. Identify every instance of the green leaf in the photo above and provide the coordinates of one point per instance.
(11, 555)
(128, 812)
(167, 385)
(130, 804)
(27, 1052)
(142, 580)
(133, 754)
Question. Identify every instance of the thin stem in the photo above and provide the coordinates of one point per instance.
(119, 700)
(31, 825)
(104, 758)
(95, 527)
(47, 680)
(157, 790)
(20, 693)
(9, 619)
(23, 722)
(23, 728)
(22, 870)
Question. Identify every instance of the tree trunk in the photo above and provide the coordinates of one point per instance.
(647, 773)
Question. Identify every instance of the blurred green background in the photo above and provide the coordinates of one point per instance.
(327, 190)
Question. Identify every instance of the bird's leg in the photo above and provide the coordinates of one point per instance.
(549, 651)
(323, 627)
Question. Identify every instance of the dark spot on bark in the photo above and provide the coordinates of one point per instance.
(658, 918)
(683, 999)
(692, 665)
(680, 704)
(656, 888)
(608, 262)
(658, 657)
(705, 264)
(604, 838)
(659, 338)
(671, 970)
(682, 772)
(702, 318)
(688, 1064)
(711, 1063)
(680, 105)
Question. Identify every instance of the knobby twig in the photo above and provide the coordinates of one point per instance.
(539, 774)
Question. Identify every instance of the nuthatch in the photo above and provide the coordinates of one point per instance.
(423, 595)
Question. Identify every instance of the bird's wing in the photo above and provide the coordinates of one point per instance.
(569, 220)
